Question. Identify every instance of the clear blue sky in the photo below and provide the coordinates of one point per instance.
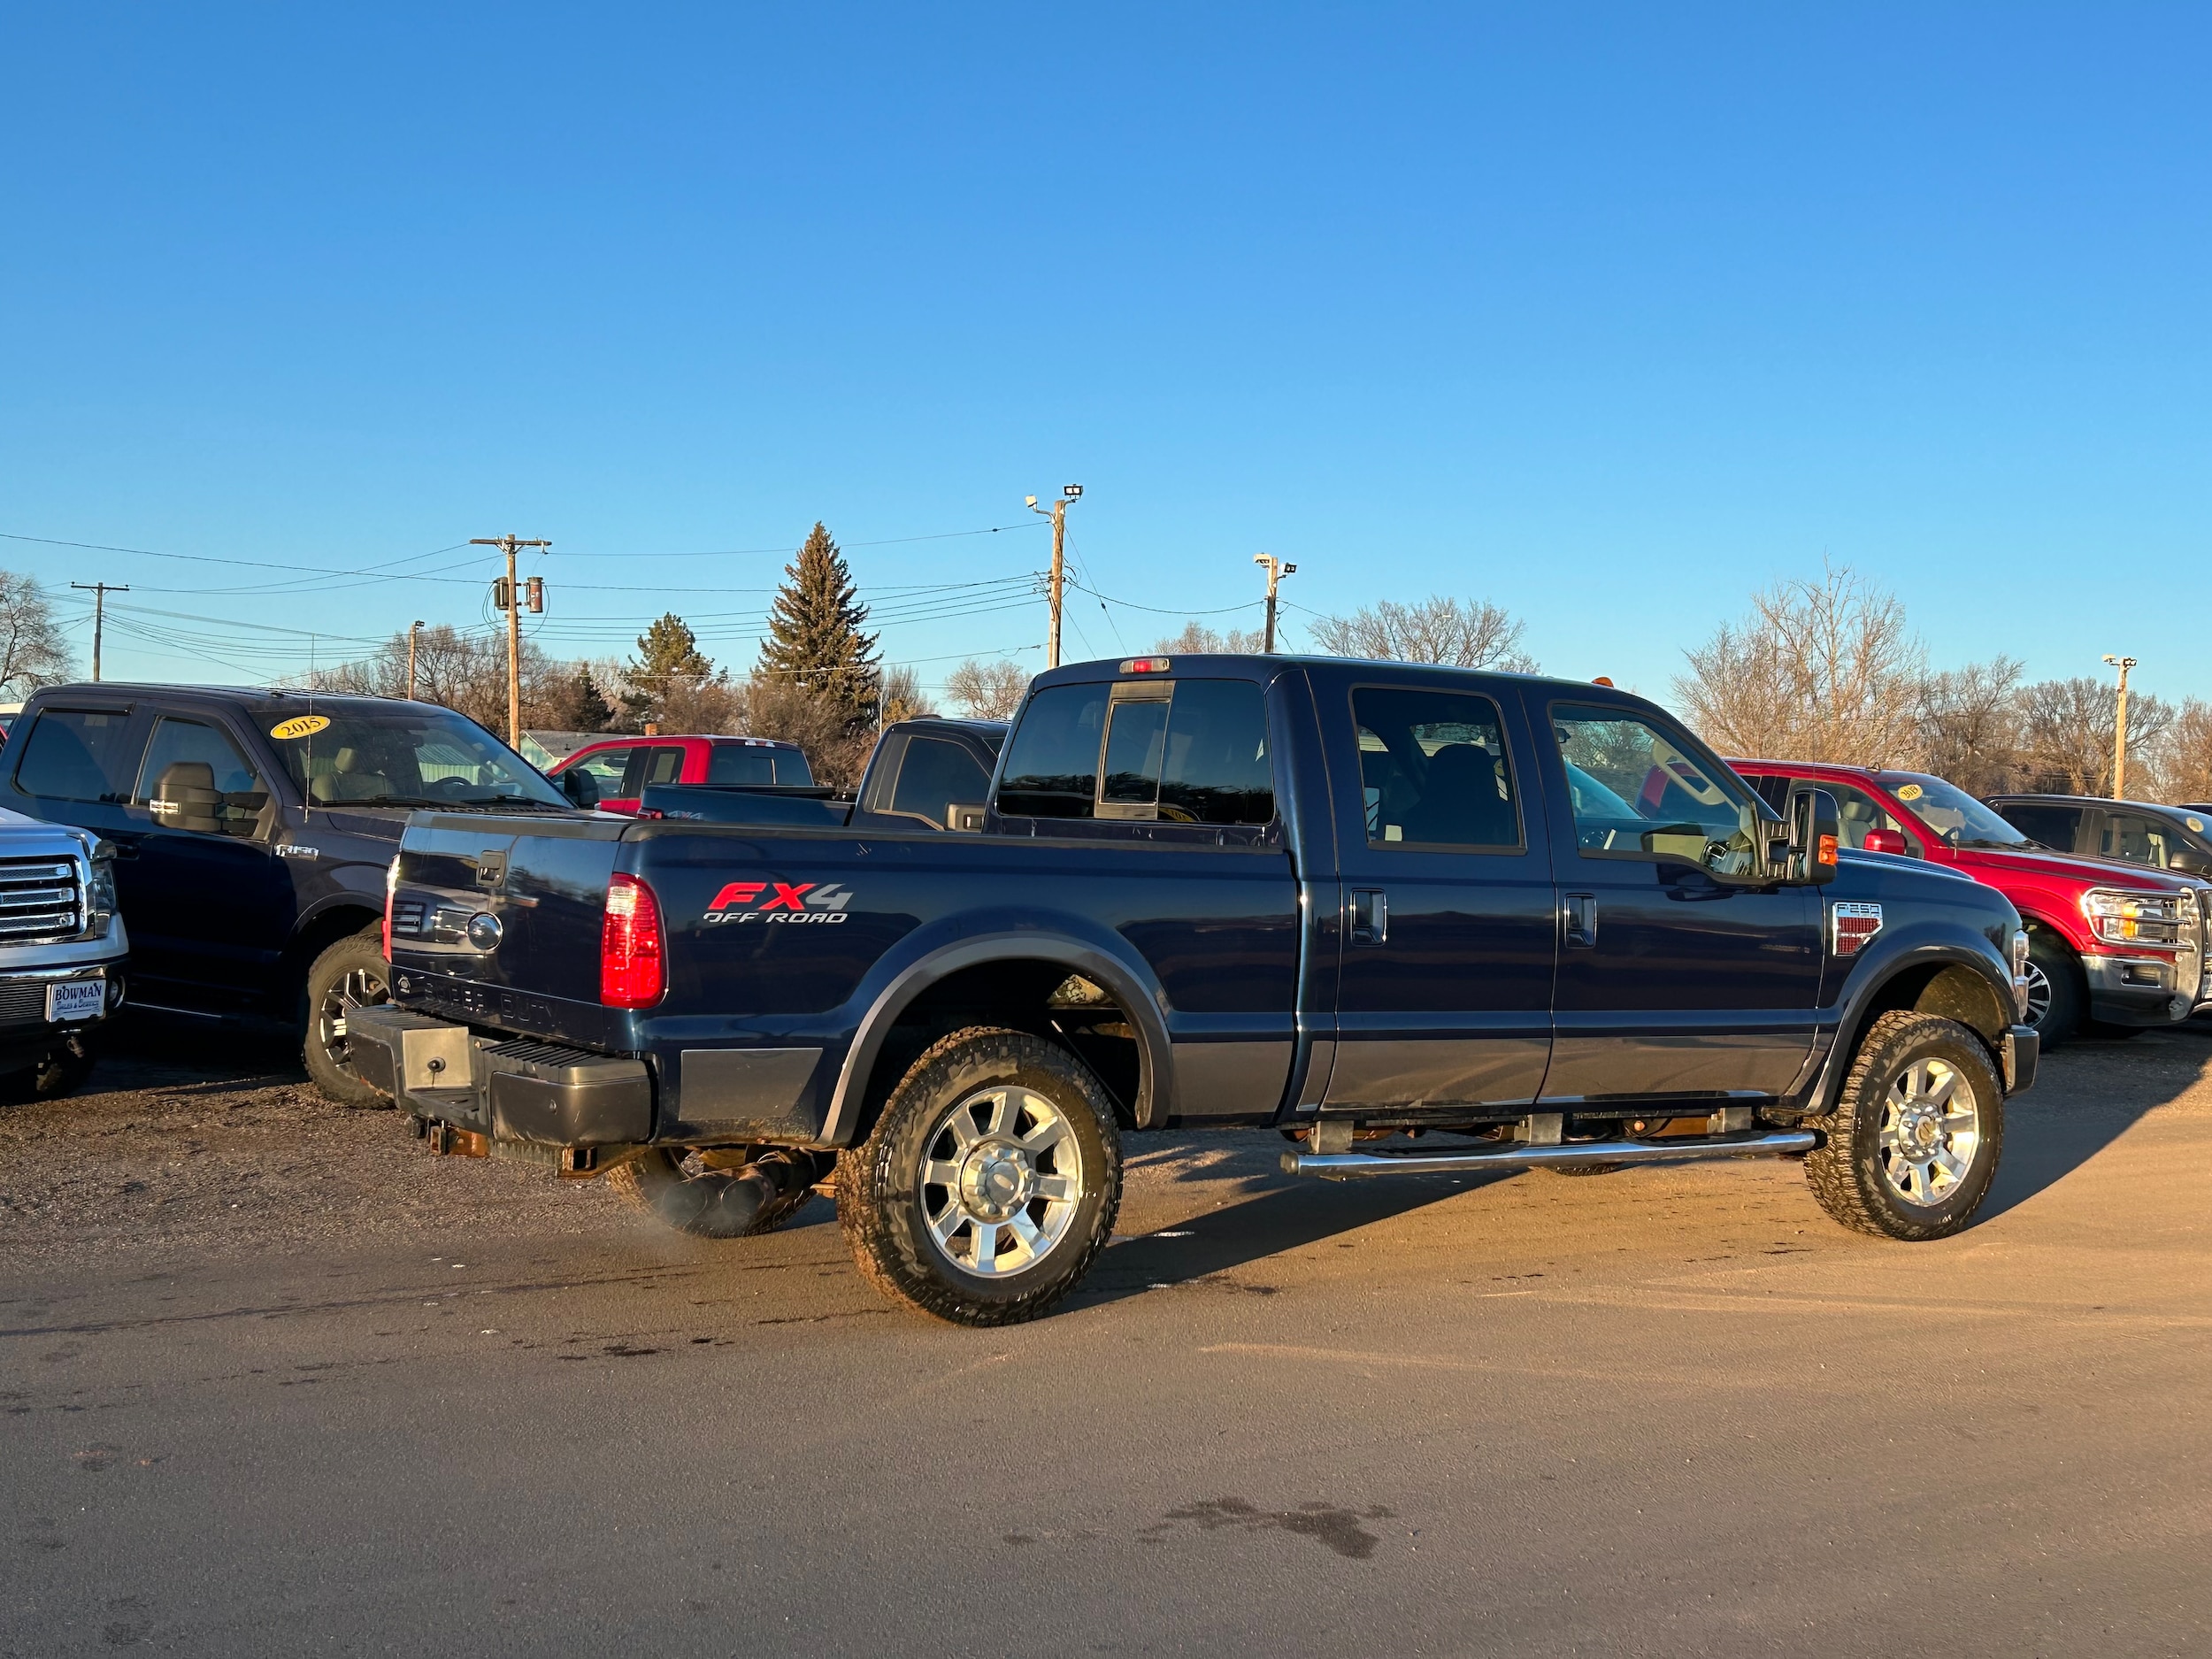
(1609, 315)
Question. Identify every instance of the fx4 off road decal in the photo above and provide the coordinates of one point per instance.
(785, 902)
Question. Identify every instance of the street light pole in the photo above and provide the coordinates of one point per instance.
(1276, 570)
(2120, 729)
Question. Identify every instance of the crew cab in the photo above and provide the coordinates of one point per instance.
(2112, 947)
(611, 775)
(928, 773)
(1413, 919)
(251, 831)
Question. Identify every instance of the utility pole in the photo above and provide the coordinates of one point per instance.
(509, 596)
(413, 630)
(2120, 729)
(1058, 514)
(1276, 570)
(99, 592)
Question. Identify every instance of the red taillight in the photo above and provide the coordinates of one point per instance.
(633, 971)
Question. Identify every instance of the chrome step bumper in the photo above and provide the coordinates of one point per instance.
(1339, 1166)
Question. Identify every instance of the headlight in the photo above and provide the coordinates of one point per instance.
(99, 893)
(2122, 918)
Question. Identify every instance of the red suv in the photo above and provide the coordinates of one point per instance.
(622, 766)
(2114, 946)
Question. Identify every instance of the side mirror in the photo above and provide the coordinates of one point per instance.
(1882, 841)
(1815, 833)
(2189, 862)
(581, 787)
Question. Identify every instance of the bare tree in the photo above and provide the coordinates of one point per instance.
(776, 706)
(1970, 726)
(903, 698)
(2181, 761)
(1823, 670)
(2068, 736)
(989, 690)
(33, 652)
(464, 671)
(1463, 632)
(1198, 640)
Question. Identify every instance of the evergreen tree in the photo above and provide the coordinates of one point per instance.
(668, 659)
(586, 706)
(814, 633)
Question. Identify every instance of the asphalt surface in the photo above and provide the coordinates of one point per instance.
(274, 1381)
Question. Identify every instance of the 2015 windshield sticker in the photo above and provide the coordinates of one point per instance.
(1909, 792)
(300, 725)
(785, 901)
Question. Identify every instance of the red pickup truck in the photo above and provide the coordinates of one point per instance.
(2113, 948)
(622, 766)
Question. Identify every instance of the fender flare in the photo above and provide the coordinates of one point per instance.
(1154, 1054)
(1851, 1021)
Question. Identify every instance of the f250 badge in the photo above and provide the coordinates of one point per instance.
(788, 903)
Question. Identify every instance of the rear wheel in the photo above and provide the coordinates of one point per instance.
(2057, 993)
(351, 974)
(1912, 1145)
(990, 1181)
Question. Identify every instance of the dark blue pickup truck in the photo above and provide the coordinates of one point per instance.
(1414, 919)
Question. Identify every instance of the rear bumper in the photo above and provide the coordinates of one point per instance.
(518, 1089)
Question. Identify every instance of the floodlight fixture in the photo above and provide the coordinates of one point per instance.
(1071, 491)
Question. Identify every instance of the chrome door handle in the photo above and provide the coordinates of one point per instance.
(1370, 915)
(1580, 912)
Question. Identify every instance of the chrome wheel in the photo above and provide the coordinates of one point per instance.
(1932, 1125)
(2039, 993)
(1000, 1181)
(358, 988)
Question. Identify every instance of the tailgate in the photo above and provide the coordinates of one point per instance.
(496, 919)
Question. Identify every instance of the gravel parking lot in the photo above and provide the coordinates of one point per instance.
(448, 1405)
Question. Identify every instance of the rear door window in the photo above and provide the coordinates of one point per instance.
(662, 765)
(79, 755)
(1433, 770)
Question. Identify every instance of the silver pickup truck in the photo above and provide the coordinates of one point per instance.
(62, 951)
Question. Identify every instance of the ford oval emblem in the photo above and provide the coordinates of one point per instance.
(484, 931)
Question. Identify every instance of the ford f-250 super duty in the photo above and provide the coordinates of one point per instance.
(1415, 919)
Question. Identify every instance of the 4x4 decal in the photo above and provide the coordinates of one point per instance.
(787, 902)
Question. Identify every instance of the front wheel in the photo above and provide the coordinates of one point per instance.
(989, 1183)
(351, 974)
(1912, 1145)
(2057, 992)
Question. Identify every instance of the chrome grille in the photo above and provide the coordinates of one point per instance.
(407, 916)
(40, 899)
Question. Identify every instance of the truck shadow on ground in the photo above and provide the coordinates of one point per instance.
(2089, 1095)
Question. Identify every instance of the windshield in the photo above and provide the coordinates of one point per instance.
(403, 755)
(1951, 813)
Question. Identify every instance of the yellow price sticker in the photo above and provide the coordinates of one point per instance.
(300, 725)
(2196, 825)
(1909, 792)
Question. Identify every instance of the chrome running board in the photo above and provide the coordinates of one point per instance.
(1337, 1166)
